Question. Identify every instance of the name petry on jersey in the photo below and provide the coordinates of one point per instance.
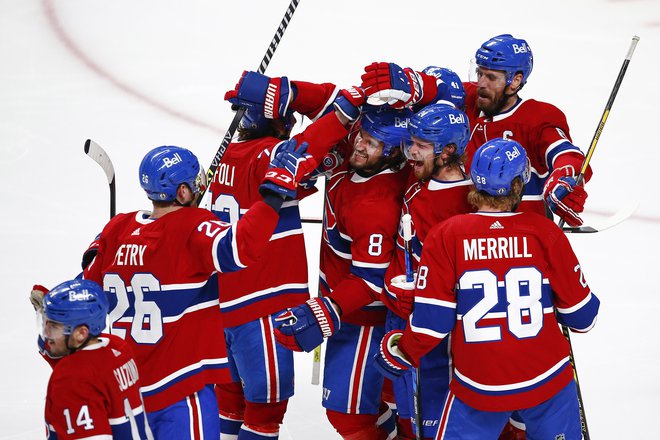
(501, 283)
(279, 279)
(93, 393)
(159, 277)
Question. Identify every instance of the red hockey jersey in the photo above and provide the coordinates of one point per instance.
(156, 274)
(359, 233)
(500, 282)
(428, 203)
(279, 279)
(541, 128)
(94, 393)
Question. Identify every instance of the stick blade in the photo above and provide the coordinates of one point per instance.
(625, 212)
(98, 155)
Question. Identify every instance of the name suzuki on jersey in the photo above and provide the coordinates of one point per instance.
(495, 248)
(130, 255)
(126, 375)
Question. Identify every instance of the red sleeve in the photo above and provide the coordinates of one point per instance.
(322, 135)
(313, 99)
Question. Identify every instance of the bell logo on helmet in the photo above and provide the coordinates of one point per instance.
(513, 154)
(456, 119)
(519, 48)
(401, 122)
(171, 161)
(80, 296)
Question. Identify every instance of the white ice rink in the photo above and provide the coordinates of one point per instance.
(133, 75)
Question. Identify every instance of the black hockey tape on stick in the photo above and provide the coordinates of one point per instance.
(98, 155)
(270, 51)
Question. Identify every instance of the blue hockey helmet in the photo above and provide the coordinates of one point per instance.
(164, 168)
(507, 53)
(442, 125)
(496, 163)
(453, 81)
(77, 302)
(387, 125)
(255, 121)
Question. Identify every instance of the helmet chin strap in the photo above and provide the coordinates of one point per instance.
(80, 347)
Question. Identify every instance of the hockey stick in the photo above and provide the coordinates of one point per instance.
(606, 113)
(215, 163)
(578, 181)
(98, 155)
(316, 360)
(622, 214)
(406, 223)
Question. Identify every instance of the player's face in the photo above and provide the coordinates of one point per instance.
(422, 156)
(53, 334)
(367, 152)
(491, 86)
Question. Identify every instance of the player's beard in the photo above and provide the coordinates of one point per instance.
(492, 104)
(424, 169)
(360, 160)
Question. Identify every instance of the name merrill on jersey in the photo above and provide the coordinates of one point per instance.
(492, 248)
(130, 255)
(126, 375)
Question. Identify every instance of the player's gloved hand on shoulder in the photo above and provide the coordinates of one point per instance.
(405, 294)
(388, 83)
(303, 327)
(37, 296)
(331, 161)
(563, 196)
(349, 102)
(288, 166)
(269, 96)
(390, 361)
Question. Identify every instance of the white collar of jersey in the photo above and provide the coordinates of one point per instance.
(496, 214)
(143, 218)
(437, 185)
(356, 178)
(103, 342)
(506, 114)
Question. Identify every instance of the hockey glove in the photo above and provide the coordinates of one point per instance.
(287, 167)
(388, 83)
(405, 294)
(37, 296)
(303, 328)
(331, 161)
(349, 102)
(563, 196)
(268, 96)
(390, 361)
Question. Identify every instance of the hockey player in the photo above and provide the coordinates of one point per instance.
(155, 267)
(495, 109)
(93, 391)
(253, 406)
(501, 282)
(362, 208)
(439, 134)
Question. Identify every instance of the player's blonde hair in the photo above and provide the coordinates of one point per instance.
(481, 199)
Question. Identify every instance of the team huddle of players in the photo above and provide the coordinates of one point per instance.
(205, 307)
